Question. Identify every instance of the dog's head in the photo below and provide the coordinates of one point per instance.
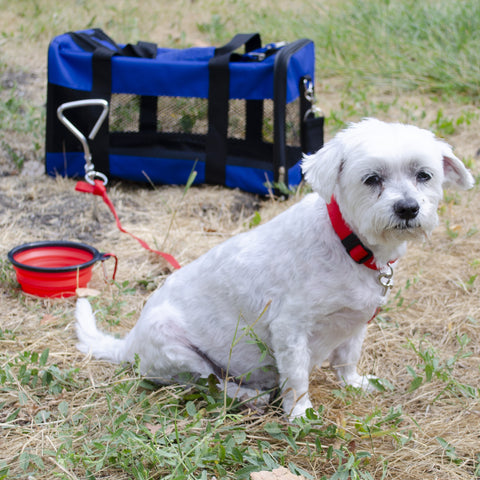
(387, 178)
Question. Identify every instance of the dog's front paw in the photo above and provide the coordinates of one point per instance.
(360, 381)
(299, 409)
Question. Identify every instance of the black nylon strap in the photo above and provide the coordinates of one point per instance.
(279, 107)
(90, 42)
(102, 88)
(148, 113)
(93, 41)
(311, 133)
(102, 85)
(280, 70)
(311, 125)
(102, 71)
(250, 40)
(218, 97)
(353, 241)
(254, 121)
(141, 50)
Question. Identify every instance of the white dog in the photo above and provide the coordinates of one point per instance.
(263, 308)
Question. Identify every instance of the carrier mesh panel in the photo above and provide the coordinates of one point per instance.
(124, 113)
(189, 115)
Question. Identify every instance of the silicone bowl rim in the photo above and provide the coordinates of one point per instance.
(96, 255)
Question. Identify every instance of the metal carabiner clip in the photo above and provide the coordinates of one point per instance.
(90, 173)
(309, 94)
(313, 111)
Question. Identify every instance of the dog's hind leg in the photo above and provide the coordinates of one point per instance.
(344, 361)
(160, 344)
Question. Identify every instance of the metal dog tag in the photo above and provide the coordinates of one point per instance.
(385, 279)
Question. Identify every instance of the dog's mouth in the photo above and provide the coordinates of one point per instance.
(406, 228)
(406, 225)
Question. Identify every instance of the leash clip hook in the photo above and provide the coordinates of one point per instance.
(309, 95)
(385, 278)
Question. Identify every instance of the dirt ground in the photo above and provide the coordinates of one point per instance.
(435, 300)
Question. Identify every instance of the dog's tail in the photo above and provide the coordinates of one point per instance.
(91, 340)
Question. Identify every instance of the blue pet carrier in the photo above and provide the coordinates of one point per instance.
(240, 119)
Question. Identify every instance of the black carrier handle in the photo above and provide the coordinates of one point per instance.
(218, 97)
(95, 41)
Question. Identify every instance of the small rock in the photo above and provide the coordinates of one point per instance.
(277, 474)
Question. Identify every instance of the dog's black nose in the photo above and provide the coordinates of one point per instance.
(406, 209)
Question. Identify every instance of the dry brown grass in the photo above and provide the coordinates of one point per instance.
(434, 303)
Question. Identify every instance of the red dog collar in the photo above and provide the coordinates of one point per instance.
(350, 241)
(355, 248)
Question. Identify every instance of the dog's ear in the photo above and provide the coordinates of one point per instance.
(322, 169)
(456, 175)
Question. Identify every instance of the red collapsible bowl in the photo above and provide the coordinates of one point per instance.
(53, 269)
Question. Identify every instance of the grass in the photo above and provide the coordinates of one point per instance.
(117, 424)
(126, 425)
(168, 433)
(63, 416)
(408, 45)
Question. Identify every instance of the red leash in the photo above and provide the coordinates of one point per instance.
(98, 188)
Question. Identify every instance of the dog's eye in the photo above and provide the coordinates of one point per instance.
(373, 180)
(423, 176)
